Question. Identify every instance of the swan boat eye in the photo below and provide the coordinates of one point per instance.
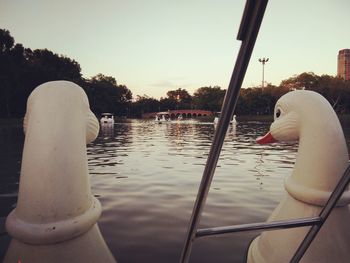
(278, 113)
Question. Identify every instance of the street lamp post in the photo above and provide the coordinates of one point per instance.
(263, 61)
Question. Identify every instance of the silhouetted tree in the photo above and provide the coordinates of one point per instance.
(334, 89)
(182, 97)
(209, 98)
(144, 104)
(106, 96)
(306, 80)
(23, 69)
(10, 67)
(6, 41)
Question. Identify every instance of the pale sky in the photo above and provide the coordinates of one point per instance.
(153, 46)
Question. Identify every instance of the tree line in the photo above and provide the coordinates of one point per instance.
(23, 69)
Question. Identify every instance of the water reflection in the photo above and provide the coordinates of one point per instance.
(107, 130)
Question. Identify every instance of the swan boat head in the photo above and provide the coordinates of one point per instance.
(322, 157)
(54, 185)
(56, 214)
(307, 117)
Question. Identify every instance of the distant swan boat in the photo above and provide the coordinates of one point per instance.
(233, 120)
(107, 118)
(161, 117)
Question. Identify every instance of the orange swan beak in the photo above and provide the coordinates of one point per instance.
(267, 138)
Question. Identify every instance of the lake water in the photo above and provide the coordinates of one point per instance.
(146, 176)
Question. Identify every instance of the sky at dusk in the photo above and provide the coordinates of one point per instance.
(153, 46)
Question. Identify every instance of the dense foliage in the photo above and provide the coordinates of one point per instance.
(253, 100)
(23, 69)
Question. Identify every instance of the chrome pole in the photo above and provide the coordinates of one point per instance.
(266, 226)
(248, 31)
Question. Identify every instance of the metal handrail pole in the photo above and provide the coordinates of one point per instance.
(266, 226)
(249, 28)
(327, 209)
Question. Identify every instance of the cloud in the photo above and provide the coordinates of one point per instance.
(173, 83)
(164, 83)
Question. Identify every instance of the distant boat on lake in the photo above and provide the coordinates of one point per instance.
(162, 117)
(216, 119)
(107, 119)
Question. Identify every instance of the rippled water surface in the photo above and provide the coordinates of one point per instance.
(146, 176)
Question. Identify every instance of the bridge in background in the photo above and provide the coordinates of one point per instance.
(176, 113)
